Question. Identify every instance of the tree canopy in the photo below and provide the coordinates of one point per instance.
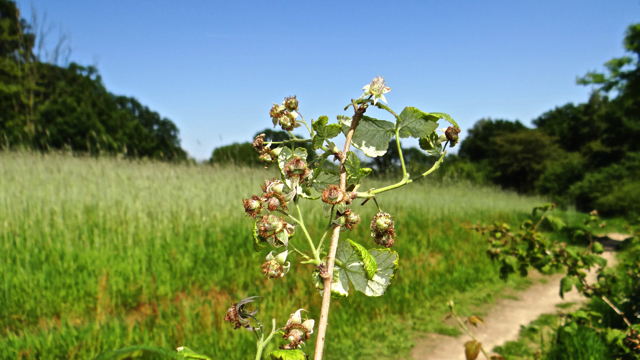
(46, 106)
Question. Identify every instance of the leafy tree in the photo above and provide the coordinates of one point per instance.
(477, 145)
(45, 106)
(520, 158)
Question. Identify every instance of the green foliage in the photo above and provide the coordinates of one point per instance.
(477, 146)
(372, 136)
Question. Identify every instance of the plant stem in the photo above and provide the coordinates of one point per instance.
(300, 222)
(331, 256)
(404, 169)
(604, 298)
(464, 328)
(262, 343)
(372, 193)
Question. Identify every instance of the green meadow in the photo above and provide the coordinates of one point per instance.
(99, 254)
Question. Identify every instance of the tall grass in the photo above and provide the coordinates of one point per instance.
(99, 254)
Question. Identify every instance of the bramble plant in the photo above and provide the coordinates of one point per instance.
(519, 250)
(277, 212)
(278, 216)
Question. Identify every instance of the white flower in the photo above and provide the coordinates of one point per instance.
(377, 89)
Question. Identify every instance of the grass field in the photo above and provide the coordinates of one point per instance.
(102, 254)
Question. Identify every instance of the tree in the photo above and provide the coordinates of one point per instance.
(477, 145)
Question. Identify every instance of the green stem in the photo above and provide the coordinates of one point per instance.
(468, 332)
(291, 140)
(307, 126)
(299, 252)
(372, 193)
(306, 234)
(262, 343)
(404, 169)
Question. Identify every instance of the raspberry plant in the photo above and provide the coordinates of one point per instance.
(278, 221)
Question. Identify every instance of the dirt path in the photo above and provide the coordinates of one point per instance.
(503, 320)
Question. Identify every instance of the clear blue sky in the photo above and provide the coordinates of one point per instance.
(216, 67)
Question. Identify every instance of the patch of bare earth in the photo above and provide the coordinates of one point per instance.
(503, 321)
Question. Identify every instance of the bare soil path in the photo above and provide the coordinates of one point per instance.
(503, 320)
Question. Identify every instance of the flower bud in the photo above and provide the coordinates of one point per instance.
(382, 229)
(296, 331)
(276, 267)
(252, 206)
(267, 157)
(275, 112)
(275, 201)
(258, 143)
(347, 220)
(291, 103)
(333, 195)
(296, 168)
(273, 185)
(269, 225)
(452, 135)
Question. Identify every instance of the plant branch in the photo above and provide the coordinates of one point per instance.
(335, 235)
(372, 193)
(604, 298)
(464, 328)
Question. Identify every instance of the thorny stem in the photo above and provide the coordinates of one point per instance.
(464, 328)
(331, 256)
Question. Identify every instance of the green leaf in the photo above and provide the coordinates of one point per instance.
(595, 259)
(431, 144)
(187, 353)
(372, 136)
(139, 352)
(339, 286)
(415, 123)
(259, 243)
(566, 284)
(355, 264)
(287, 355)
(354, 171)
(598, 248)
(556, 223)
(324, 131)
(325, 179)
(446, 117)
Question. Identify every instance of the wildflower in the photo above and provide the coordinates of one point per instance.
(296, 331)
(237, 315)
(377, 89)
(382, 229)
(275, 266)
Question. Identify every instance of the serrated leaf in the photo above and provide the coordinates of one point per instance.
(354, 171)
(287, 355)
(415, 123)
(472, 349)
(353, 266)
(372, 136)
(139, 352)
(555, 222)
(259, 243)
(446, 117)
(325, 179)
(324, 131)
(599, 260)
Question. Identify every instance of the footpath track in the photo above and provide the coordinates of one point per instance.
(504, 319)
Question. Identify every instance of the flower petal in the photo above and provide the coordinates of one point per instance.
(308, 324)
(295, 318)
(282, 257)
(270, 256)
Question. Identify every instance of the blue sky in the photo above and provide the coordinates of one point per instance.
(215, 68)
